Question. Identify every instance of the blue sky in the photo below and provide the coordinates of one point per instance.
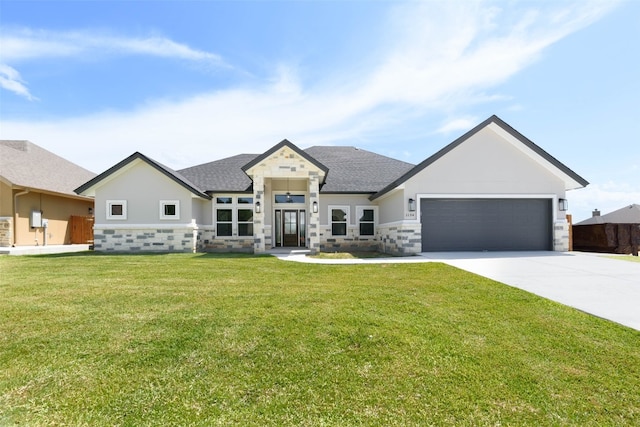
(187, 82)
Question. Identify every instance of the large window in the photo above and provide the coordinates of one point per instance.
(245, 222)
(234, 215)
(116, 209)
(339, 219)
(224, 222)
(366, 221)
(169, 209)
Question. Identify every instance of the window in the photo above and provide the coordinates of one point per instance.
(116, 209)
(339, 215)
(245, 222)
(366, 221)
(289, 198)
(234, 215)
(224, 222)
(169, 209)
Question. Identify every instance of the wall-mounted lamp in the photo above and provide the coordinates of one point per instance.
(563, 204)
(412, 205)
(257, 207)
(314, 207)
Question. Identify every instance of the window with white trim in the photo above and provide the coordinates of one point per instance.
(234, 216)
(366, 220)
(339, 217)
(169, 209)
(116, 209)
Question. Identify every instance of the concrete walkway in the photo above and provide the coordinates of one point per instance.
(604, 287)
(43, 249)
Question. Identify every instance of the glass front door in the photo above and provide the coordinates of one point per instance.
(290, 227)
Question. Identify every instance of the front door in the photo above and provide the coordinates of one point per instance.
(290, 228)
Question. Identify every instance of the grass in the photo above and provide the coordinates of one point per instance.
(205, 340)
(626, 258)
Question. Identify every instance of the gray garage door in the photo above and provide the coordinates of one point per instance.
(486, 224)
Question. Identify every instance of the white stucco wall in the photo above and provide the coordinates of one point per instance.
(143, 187)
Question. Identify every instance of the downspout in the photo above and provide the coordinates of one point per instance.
(15, 214)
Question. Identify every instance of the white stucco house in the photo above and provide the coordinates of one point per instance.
(490, 189)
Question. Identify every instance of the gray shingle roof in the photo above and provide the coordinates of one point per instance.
(351, 170)
(627, 215)
(221, 175)
(25, 164)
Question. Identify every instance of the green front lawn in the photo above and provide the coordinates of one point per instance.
(202, 340)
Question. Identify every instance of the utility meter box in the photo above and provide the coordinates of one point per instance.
(36, 219)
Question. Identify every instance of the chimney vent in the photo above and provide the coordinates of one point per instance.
(596, 212)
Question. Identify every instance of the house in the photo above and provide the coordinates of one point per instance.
(490, 189)
(615, 232)
(37, 197)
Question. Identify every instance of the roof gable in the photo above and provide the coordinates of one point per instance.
(25, 164)
(87, 187)
(278, 147)
(519, 141)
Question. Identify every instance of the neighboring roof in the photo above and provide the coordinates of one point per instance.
(25, 164)
(175, 176)
(571, 176)
(627, 215)
(352, 170)
(225, 175)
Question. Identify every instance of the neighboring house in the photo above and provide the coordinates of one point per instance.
(490, 189)
(628, 215)
(36, 195)
(615, 232)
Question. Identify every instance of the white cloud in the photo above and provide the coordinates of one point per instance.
(10, 80)
(23, 44)
(437, 55)
(459, 124)
(606, 197)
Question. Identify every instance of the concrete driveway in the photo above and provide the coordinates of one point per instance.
(604, 287)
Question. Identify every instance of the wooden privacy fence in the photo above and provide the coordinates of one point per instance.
(609, 238)
(82, 229)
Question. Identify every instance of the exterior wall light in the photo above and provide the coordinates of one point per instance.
(412, 205)
(257, 207)
(314, 207)
(563, 204)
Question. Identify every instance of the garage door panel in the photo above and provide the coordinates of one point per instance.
(486, 224)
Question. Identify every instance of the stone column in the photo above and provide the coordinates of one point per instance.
(314, 218)
(6, 229)
(258, 218)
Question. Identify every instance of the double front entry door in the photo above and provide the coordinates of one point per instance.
(290, 227)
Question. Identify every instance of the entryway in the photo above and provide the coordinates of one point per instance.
(290, 228)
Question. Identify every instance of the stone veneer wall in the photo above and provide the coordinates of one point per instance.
(145, 240)
(401, 239)
(207, 242)
(351, 242)
(561, 236)
(6, 230)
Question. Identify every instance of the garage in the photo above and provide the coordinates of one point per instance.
(486, 224)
